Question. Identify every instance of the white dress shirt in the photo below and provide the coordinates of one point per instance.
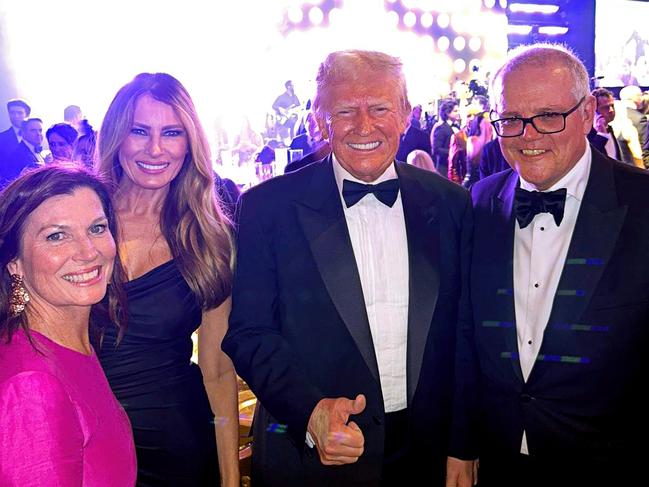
(540, 251)
(380, 244)
(610, 144)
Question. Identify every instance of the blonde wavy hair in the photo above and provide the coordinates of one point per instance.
(192, 222)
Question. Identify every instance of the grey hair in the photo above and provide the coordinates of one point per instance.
(540, 55)
(350, 65)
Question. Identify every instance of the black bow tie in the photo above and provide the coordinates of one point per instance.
(386, 192)
(528, 204)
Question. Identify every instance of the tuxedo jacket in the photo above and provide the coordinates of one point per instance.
(299, 330)
(413, 139)
(8, 142)
(14, 163)
(581, 400)
(492, 159)
(441, 142)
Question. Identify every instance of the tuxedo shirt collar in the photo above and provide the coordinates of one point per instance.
(574, 181)
(30, 146)
(340, 173)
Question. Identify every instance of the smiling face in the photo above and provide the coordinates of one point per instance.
(60, 148)
(543, 159)
(33, 132)
(154, 151)
(363, 120)
(66, 253)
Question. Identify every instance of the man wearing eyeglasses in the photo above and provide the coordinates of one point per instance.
(560, 289)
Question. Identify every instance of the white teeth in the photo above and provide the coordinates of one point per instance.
(532, 152)
(152, 167)
(86, 276)
(368, 146)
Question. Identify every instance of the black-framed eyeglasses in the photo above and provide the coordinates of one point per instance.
(544, 123)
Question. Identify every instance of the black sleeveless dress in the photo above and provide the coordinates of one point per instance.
(161, 390)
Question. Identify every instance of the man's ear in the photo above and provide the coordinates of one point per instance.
(322, 125)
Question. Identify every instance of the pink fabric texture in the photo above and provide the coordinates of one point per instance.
(60, 424)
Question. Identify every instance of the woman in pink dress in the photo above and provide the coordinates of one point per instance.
(60, 424)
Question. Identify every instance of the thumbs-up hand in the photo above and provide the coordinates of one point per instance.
(338, 440)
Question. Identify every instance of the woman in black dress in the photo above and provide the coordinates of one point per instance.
(176, 247)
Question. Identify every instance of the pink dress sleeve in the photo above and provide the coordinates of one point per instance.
(41, 442)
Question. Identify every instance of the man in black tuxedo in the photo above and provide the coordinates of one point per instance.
(602, 136)
(28, 152)
(441, 134)
(413, 139)
(347, 299)
(559, 289)
(313, 146)
(18, 110)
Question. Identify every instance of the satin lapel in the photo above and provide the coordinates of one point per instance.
(321, 216)
(422, 228)
(503, 252)
(596, 232)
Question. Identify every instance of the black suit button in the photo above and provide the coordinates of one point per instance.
(526, 398)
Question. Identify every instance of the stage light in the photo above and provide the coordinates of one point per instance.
(426, 20)
(459, 65)
(295, 14)
(316, 16)
(533, 8)
(490, 3)
(409, 4)
(459, 43)
(393, 18)
(475, 43)
(443, 43)
(429, 41)
(522, 30)
(409, 19)
(334, 15)
(503, 3)
(552, 30)
(443, 20)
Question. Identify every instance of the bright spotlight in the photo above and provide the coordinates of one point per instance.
(393, 18)
(409, 19)
(316, 16)
(426, 20)
(443, 43)
(503, 3)
(533, 8)
(475, 43)
(490, 3)
(334, 15)
(459, 65)
(552, 30)
(295, 14)
(443, 20)
(522, 30)
(459, 43)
